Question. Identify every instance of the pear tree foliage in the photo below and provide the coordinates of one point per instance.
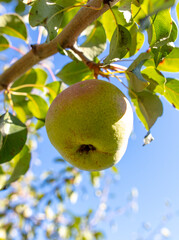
(134, 30)
(140, 32)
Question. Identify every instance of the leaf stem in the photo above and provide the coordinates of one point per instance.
(27, 86)
(13, 90)
(114, 16)
(8, 93)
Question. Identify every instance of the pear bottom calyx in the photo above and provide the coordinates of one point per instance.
(89, 123)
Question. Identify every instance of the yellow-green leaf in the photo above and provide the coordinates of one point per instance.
(13, 25)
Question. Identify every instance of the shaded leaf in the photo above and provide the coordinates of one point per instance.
(47, 14)
(14, 134)
(119, 45)
(95, 42)
(20, 7)
(172, 91)
(145, 23)
(74, 72)
(4, 43)
(124, 5)
(20, 164)
(136, 81)
(38, 106)
(148, 107)
(13, 25)
(161, 52)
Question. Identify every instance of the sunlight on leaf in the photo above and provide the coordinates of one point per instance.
(13, 25)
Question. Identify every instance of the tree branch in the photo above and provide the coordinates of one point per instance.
(66, 39)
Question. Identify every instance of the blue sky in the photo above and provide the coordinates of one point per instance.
(153, 170)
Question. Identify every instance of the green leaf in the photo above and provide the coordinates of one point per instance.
(107, 18)
(95, 42)
(148, 107)
(148, 8)
(177, 10)
(74, 72)
(34, 76)
(145, 23)
(160, 30)
(119, 45)
(21, 111)
(109, 23)
(1, 169)
(38, 106)
(53, 90)
(14, 134)
(66, 3)
(20, 164)
(174, 33)
(20, 7)
(4, 43)
(156, 5)
(137, 40)
(136, 81)
(155, 78)
(13, 25)
(67, 17)
(124, 5)
(172, 91)
(1, 140)
(161, 52)
(48, 14)
(171, 62)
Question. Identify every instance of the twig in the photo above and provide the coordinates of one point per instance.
(65, 39)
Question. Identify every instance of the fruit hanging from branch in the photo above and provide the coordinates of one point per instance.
(89, 123)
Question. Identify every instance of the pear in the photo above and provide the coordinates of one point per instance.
(89, 123)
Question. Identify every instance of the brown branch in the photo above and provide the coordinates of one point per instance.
(65, 39)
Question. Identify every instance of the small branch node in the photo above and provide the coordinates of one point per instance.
(34, 48)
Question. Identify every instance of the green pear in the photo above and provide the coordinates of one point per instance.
(89, 123)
